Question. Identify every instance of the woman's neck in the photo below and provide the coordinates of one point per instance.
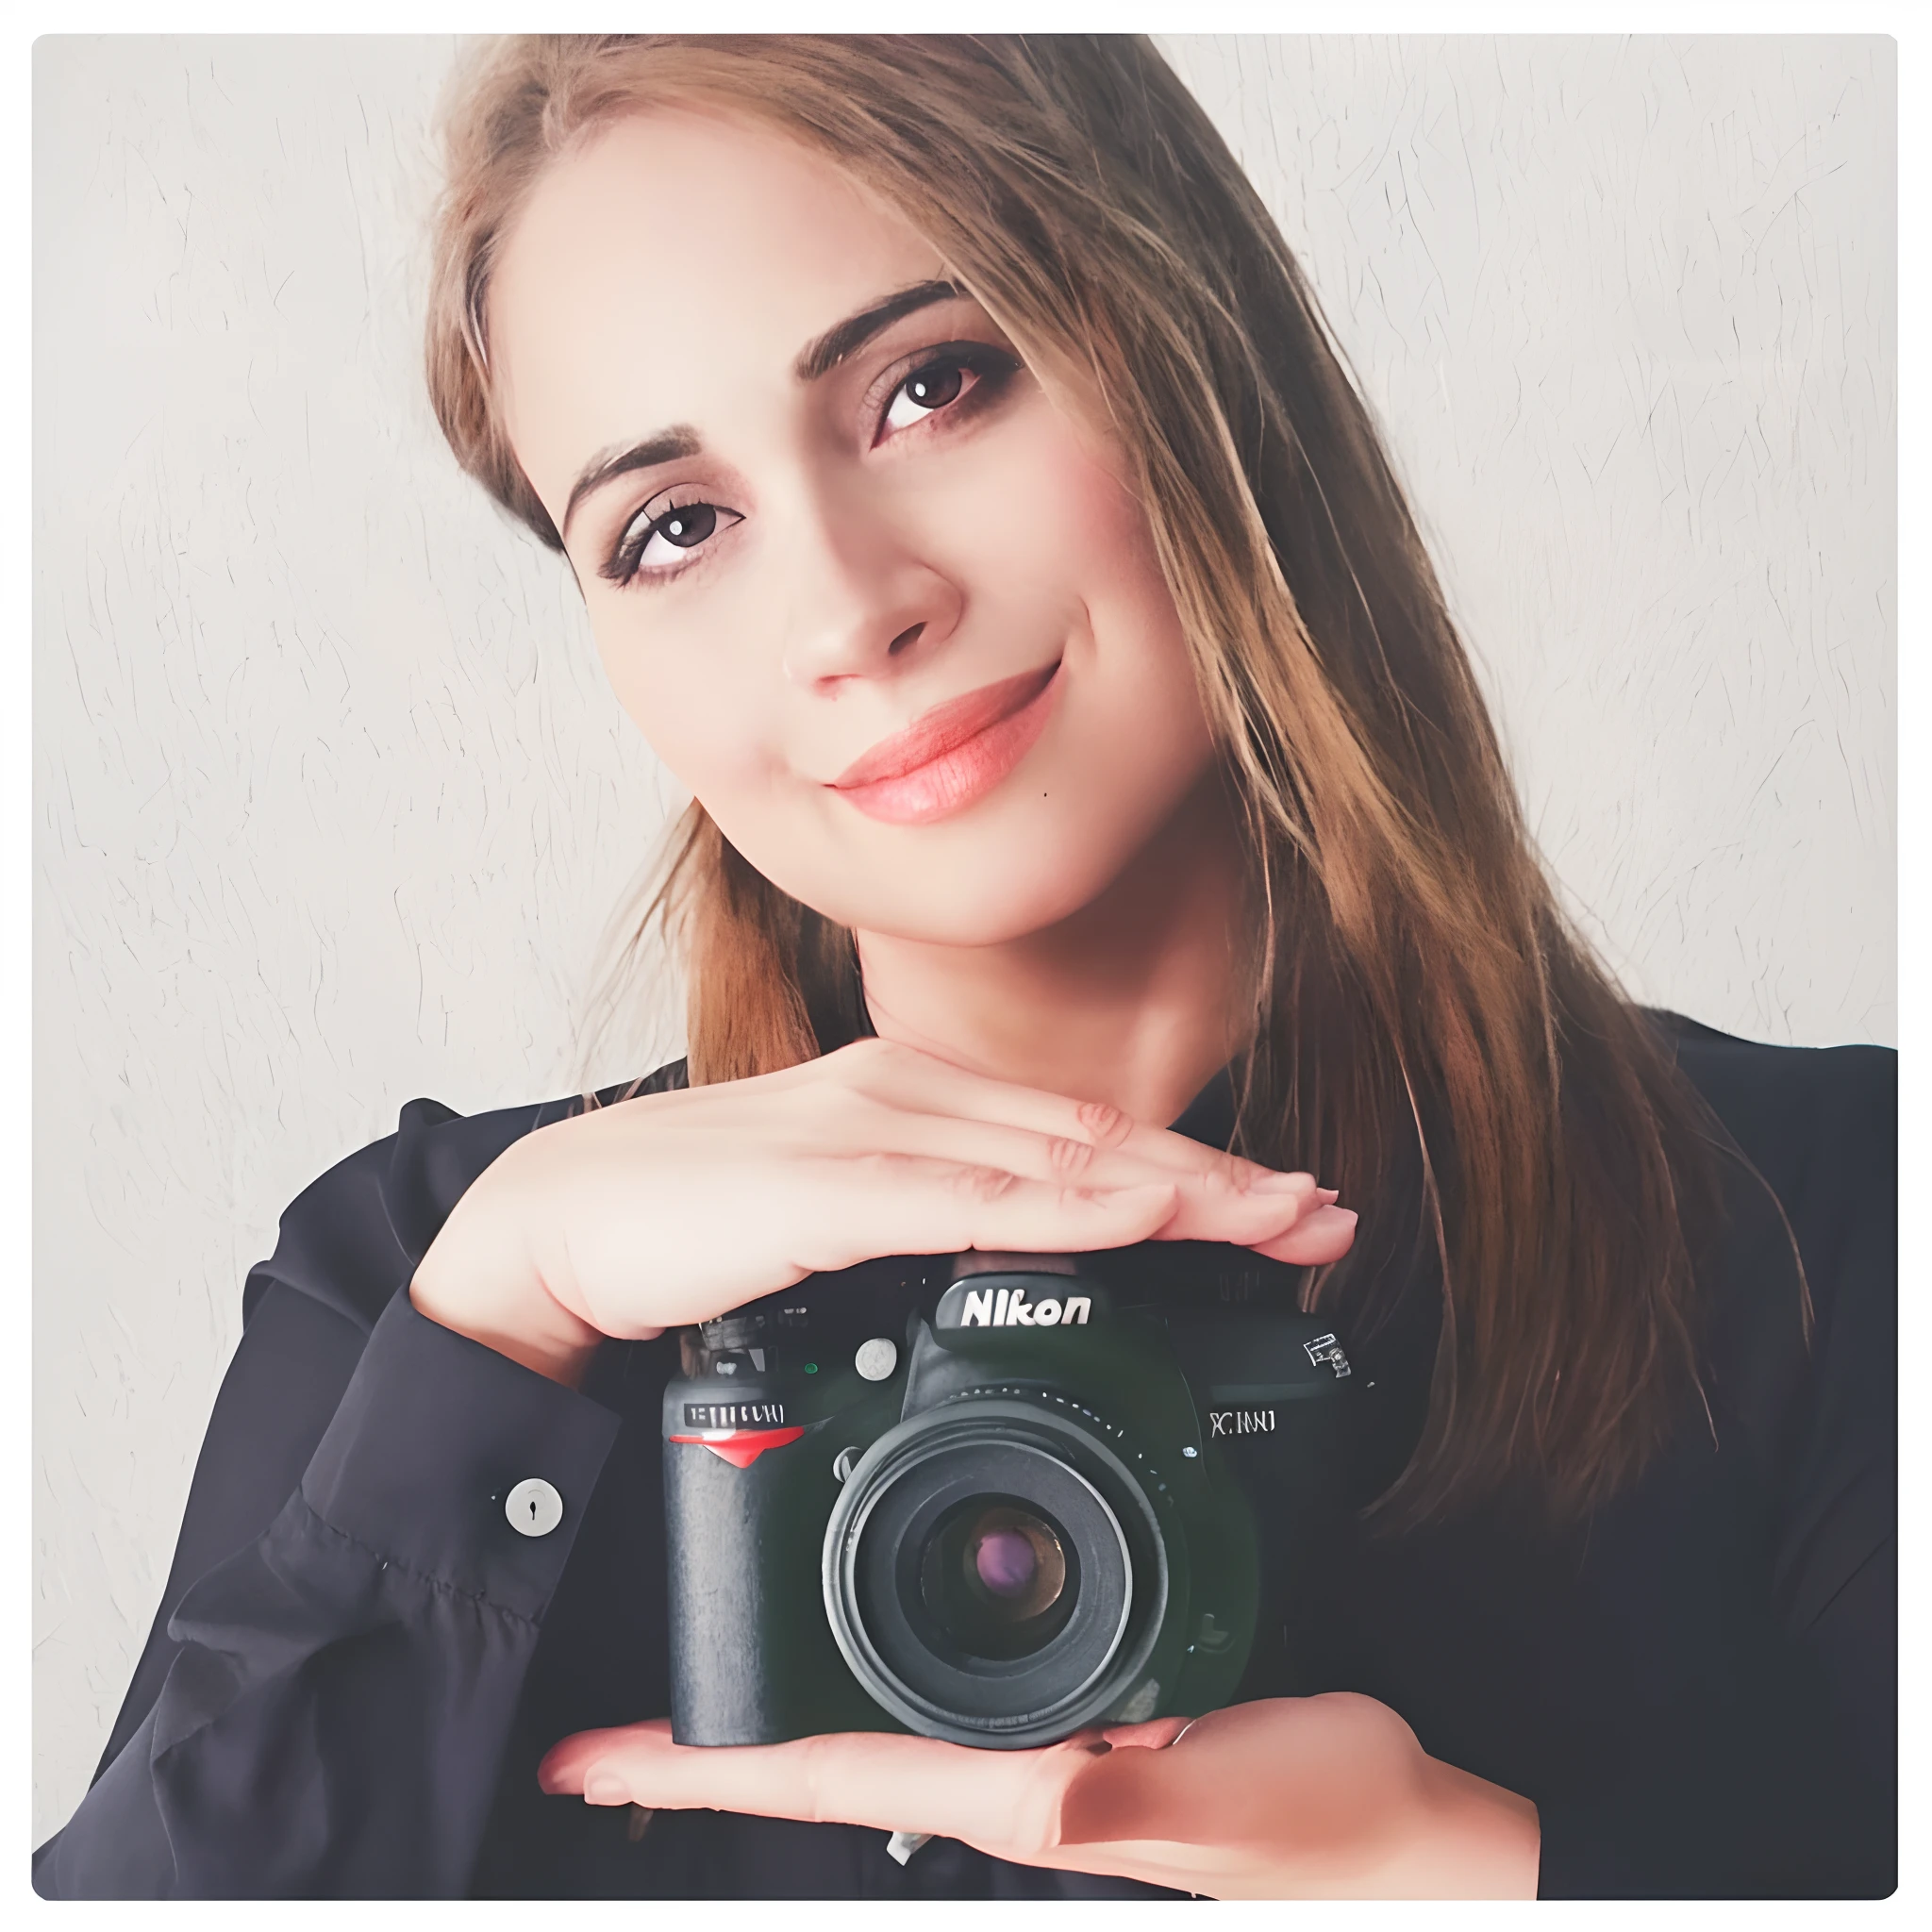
(1135, 1000)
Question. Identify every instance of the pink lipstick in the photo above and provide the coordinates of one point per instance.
(952, 754)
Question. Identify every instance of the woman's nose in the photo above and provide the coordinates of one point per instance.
(861, 601)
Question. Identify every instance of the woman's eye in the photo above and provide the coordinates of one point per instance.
(926, 391)
(663, 544)
(683, 529)
(957, 379)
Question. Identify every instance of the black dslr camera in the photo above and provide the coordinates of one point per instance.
(995, 1499)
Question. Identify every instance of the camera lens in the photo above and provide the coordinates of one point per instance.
(1016, 1562)
(993, 1572)
(995, 1576)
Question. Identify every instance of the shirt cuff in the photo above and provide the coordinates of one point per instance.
(433, 1432)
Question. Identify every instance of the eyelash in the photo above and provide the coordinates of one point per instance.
(625, 565)
(991, 368)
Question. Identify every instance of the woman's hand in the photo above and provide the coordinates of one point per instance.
(1300, 1797)
(672, 1207)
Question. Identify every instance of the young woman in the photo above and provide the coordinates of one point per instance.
(1098, 837)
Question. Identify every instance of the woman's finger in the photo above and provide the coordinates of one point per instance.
(911, 1205)
(1155, 1734)
(1009, 1799)
(1068, 1159)
(922, 1083)
(1322, 1235)
(1231, 1201)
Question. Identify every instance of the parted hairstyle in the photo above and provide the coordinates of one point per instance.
(1422, 1006)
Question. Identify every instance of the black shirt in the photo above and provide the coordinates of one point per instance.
(356, 1662)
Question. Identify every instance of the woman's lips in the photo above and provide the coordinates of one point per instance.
(955, 753)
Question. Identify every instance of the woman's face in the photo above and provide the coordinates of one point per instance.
(869, 595)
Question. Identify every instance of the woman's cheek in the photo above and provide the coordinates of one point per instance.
(1086, 531)
(699, 719)
(1079, 493)
(1145, 689)
(709, 720)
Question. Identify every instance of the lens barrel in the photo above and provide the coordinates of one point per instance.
(995, 1572)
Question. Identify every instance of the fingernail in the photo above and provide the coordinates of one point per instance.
(1283, 1184)
(1324, 1218)
(1326, 1195)
(605, 1788)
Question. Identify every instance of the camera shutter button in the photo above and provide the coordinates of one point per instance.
(877, 1359)
(534, 1507)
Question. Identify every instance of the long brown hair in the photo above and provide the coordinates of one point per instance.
(1419, 998)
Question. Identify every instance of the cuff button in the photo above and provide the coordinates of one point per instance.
(534, 1507)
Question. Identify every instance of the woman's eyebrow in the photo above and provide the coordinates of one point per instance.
(668, 445)
(819, 356)
(825, 352)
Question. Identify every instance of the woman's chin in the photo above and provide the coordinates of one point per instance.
(971, 907)
(1010, 867)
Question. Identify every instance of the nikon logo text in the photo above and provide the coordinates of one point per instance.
(1240, 1421)
(1007, 1307)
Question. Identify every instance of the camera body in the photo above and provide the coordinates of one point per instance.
(997, 1499)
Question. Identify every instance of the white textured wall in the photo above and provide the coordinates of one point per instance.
(331, 800)
(1625, 309)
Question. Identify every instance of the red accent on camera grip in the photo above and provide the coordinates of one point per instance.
(741, 1447)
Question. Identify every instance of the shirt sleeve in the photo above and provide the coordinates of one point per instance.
(323, 1706)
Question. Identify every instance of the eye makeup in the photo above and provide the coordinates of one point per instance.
(938, 384)
(684, 523)
(991, 369)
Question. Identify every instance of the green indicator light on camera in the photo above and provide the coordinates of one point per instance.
(811, 1368)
